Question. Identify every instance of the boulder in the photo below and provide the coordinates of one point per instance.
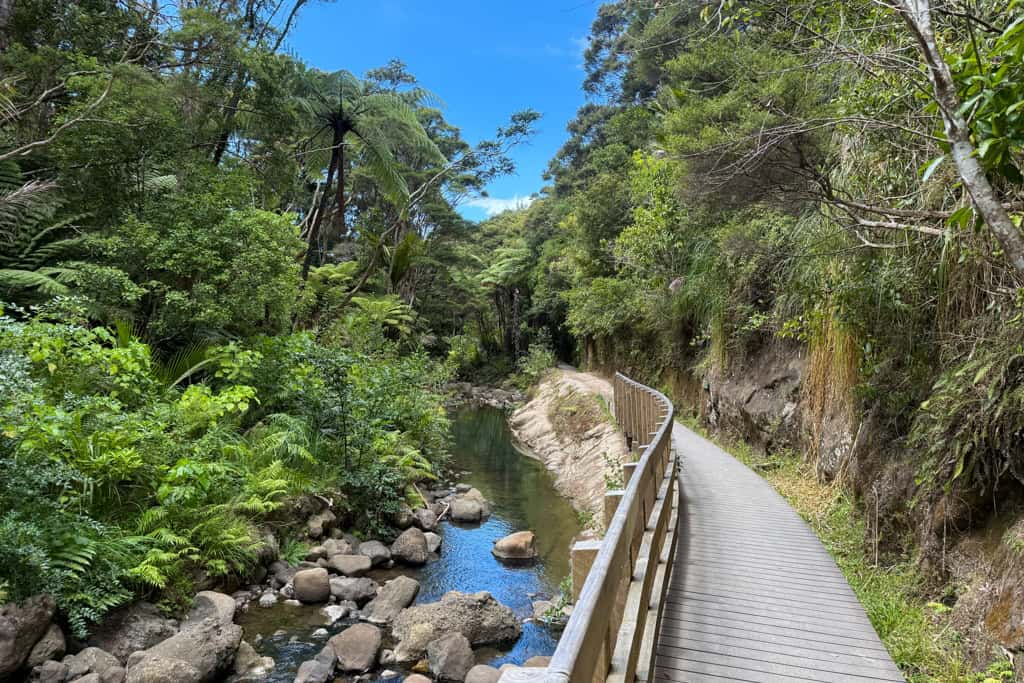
(466, 511)
(537, 661)
(392, 598)
(424, 519)
(320, 523)
(357, 647)
(433, 542)
(450, 657)
(376, 551)
(312, 585)
(313, 672)
(268, 599)
(281, 573)
(357, 590)
(91, 660)
(208, 646)
(335, 613)
(270, 548)
(210, 605)
(403, 519)
(410, 547)
(336, 546)
(249, 665)
(482, 673)
(21, 626)
(156, 669)
(50, 646)
(417, 678)
(521, 545)
(50, 671)
(477, 616)
(349, 565)
(463, 488)
(89, 678)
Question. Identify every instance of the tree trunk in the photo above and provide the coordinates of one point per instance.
(313, 247)
(917, 15)
(342, 228)
(224, 136)
(6, 12)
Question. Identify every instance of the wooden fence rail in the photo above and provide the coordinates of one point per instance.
(619, 582)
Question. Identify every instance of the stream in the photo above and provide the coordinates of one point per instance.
(522, 496)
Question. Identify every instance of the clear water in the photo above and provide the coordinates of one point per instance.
(522, 497)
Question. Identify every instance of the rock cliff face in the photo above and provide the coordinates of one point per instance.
(567, 425)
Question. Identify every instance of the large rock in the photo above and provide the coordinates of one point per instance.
(207, 642)
(477, 616)
(319, 523)
(313, 672)
(281, 573)
(433, 542)
(21, 626)
(312, 585)
(376, 551)
(450, 657)
(403, 519)
(50, 671)
(357, 647)
(518, 546)
(467, 510)
(392, 598)
(424, 519)
(92, 660)
(482, 673)
(156, 669)
(410, 547)
(249, 665)
(336, 546)
(349, 565)
(210, 605)
(50, 646)
(357, 590)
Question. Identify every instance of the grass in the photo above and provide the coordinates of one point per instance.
(914, 630)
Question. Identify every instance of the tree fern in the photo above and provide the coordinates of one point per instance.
(33, 240)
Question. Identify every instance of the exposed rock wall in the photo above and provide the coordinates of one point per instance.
(567, 426)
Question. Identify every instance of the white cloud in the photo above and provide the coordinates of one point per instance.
(492, 206)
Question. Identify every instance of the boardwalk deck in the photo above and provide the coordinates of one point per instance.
(754, 596)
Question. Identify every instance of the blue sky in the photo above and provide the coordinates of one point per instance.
(485, 60)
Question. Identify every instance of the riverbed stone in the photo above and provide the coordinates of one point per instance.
(522, 545)
(466, 511)
(157, 669)
(537, 661)
(210, 605)
(21, 626)
(335, 613)
(392, 598)
(477, 616)
(410, 547)
(541, 607)
(337, 546)
(450, 657)
(312, 585)
(352, 589)
(50, 646)
(50, 671)
(349, 565)
(312, 671)
(417, 678)
(208, 640)
(403, 519)
(357, 647)
(424, 519)
(462, 488)
(376, 551)
(319, 523)
(268, 599)
(482, 673)
(433, 542)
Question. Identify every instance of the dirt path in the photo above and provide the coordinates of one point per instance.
(567, 425)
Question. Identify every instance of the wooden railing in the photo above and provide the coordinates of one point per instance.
(619, 582)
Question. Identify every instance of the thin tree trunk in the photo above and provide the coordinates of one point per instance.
(917, 15)
(313, 247)
(224, 136)
(340, 193)
(6, 12)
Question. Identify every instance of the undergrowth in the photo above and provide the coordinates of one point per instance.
(914, 630)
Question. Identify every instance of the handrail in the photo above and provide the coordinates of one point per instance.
(617, 612)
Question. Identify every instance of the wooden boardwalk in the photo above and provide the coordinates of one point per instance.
(754, 596)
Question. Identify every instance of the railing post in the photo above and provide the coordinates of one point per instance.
(581, 559)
